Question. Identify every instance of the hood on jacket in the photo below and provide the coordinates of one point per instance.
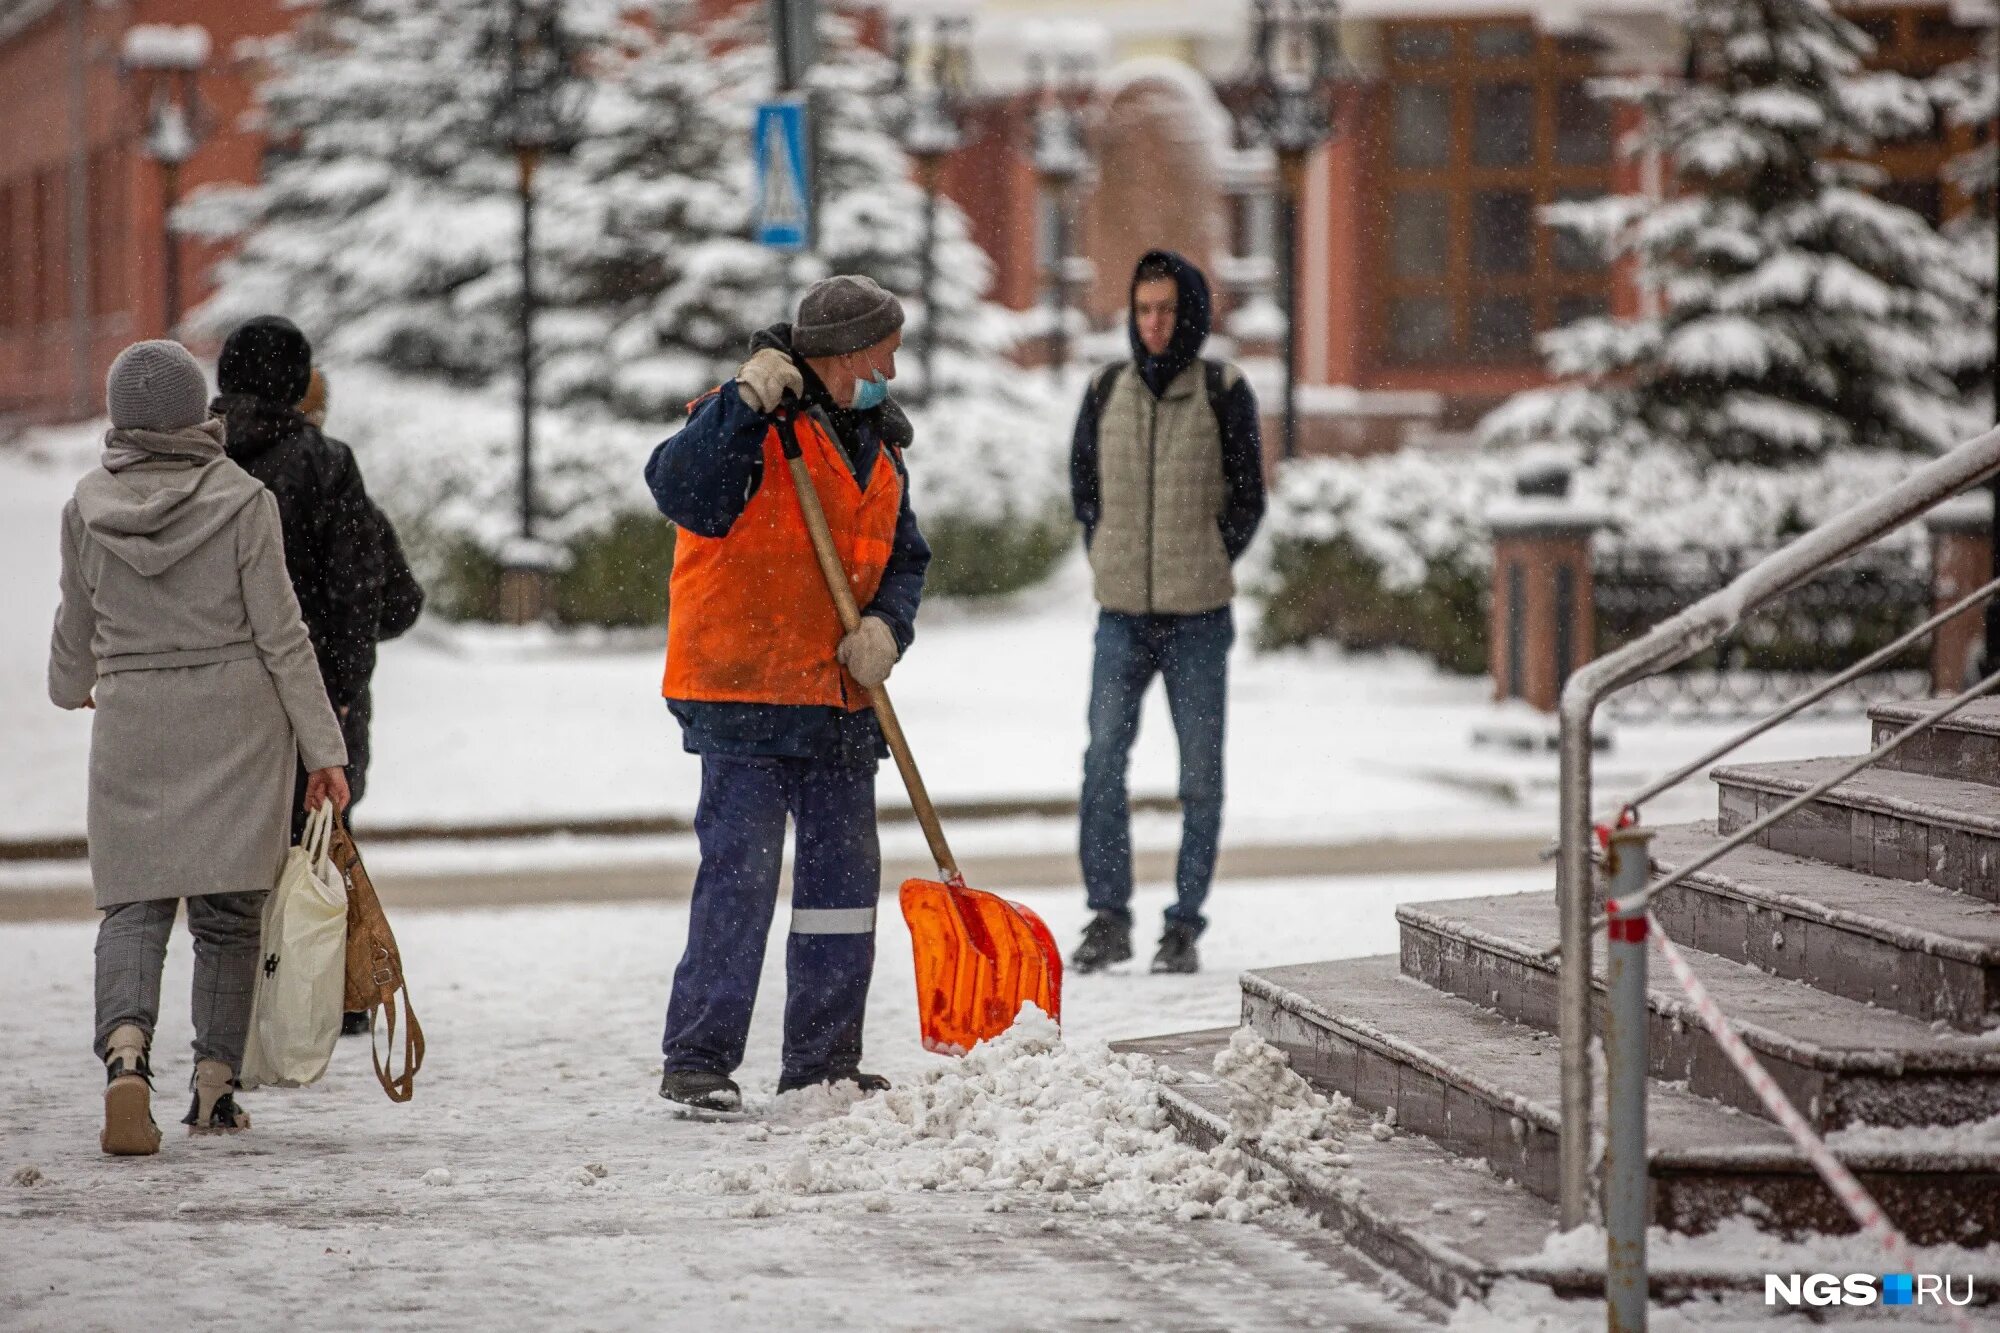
(153, 517)
(892, 424)
(256, 424)
(1191, 319)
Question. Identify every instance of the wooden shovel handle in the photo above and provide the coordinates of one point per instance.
(835, 574)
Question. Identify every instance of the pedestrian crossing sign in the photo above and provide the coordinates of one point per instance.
(783, 196)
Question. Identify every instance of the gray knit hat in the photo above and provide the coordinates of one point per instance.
(844, 314)
(156, 385)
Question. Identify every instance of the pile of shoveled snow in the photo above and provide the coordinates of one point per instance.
(1084, 1125)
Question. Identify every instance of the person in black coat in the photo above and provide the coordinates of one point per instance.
(347, 567)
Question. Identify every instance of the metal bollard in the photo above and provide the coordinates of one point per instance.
(1626, 1207)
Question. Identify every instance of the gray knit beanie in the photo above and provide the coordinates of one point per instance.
(844, 314)
(156, 385)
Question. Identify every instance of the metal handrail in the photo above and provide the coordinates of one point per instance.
(1673, 641)
(1888, 652)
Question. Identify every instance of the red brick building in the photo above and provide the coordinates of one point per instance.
(1424, 274)
(81, 236)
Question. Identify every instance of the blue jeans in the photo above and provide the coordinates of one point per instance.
(836, 880)
(1192, 654)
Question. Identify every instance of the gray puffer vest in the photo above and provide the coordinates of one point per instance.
(1157, 548)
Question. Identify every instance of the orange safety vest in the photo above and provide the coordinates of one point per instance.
(749, 618)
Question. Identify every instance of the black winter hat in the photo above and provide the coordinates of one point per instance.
(267, 358)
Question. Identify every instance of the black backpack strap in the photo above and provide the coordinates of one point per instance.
(1215, 378)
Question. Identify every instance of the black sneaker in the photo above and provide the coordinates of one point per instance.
(356, 1023)
(1177, 952)
(700, 1090)
(1106, 940)
(868, 1083)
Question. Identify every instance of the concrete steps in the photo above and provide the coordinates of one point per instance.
(1856, 947)
(1841, 1061)
(1896, 825)
(1482, 1086)
(1965, 746)
(1921, 950)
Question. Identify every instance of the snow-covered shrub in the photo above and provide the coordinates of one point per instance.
(1394, 550)
(991, 492)
(1383, 552)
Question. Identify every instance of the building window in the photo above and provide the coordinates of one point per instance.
(1472, 146)
(1503, 124)
(1503, 327)
(1570, 309)
(1420, 327)
(1420, 246)
(10, 244)
(1919, 43)
(107, 231)
(1420, 46)
(1502, 231)
(46, 245)
(1423, 126)
(1511, 41)
(1583, 126)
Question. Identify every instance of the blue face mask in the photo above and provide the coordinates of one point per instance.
(870, 392)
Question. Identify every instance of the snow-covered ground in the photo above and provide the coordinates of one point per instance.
(477, 724)
(543, 1026)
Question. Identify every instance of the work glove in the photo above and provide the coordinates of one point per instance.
(765, 379)
(870, 652)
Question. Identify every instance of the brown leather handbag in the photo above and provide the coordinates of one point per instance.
(375, 968)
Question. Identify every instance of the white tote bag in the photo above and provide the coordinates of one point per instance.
(302, 969)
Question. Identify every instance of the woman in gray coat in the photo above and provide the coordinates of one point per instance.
(179, 626)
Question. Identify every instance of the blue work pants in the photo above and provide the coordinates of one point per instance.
(830, 954)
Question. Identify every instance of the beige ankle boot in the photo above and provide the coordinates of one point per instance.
(215, 1110)
(129, 1130)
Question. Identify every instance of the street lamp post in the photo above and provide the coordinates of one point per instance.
(1062, 86)
(932, 77)
(1290, 109)
(537, 111)
(164, 62)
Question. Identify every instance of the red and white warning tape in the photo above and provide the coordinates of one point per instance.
(1862, 1207)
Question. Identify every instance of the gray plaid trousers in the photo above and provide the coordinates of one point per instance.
(132, 950)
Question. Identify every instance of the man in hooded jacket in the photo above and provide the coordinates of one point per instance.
(1166, 477)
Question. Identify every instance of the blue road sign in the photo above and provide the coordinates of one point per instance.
(781, 220)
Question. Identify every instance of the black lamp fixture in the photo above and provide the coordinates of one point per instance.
(1287, 104)
(539, 97)
(1062, 82)
(162, 64)
(933, 58)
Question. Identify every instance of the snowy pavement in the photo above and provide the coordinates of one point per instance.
(543, 1027)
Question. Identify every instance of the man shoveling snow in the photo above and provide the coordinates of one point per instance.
(773, 695)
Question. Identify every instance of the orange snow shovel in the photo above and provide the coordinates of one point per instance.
(979, 957)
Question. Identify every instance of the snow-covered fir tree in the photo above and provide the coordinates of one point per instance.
(1970, 94)
(386, 224)
(1799, 313)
